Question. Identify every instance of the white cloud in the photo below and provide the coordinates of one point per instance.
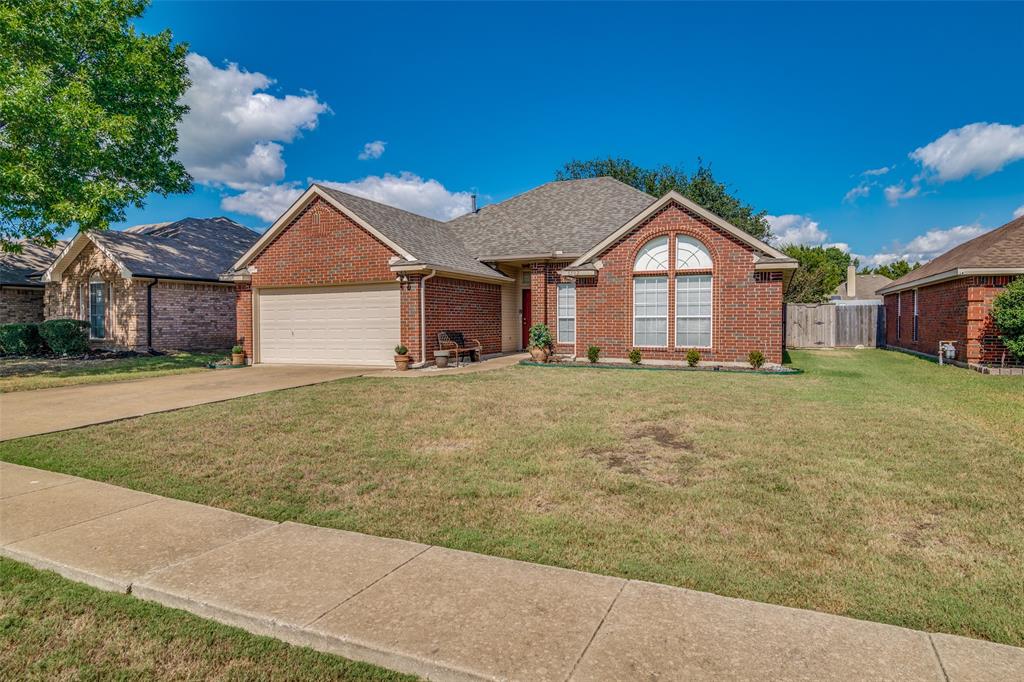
(861, 190)
(896, 193)
(796, 229)
(410, 192)
(266, 203)
(877, 171)
(1019, 212)
(979, 149)
(372, 150)
(232, 133)
(927, 246)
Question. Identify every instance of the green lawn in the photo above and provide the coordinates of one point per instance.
(26, 374)
(51, 628)
(875, 485)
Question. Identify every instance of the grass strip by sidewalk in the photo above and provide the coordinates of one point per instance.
(52, 628)
(28, 374)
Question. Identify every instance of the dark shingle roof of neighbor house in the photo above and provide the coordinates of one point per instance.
(429, 240)
(867, 288)
(191, 248)
(1003, 247)
(23, 269)
(570, 216)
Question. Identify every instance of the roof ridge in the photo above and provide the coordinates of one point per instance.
(381, 203)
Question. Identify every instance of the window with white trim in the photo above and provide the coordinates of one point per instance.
(693, 311)
(567, 313)
(97, 307)
(691, 254)
(899, 312)
(650, 311)
(915, 315)
(653, 257)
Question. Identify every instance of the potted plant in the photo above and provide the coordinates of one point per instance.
(401, 358)
(540, 342)
(237, 355)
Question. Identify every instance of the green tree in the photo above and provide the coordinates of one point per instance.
(701, 187)
(1008, 314)
(894, 270)
(821, 271)
(88, 115)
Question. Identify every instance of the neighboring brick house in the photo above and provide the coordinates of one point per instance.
(343, 279)
(21, 291)
(151, 286)
(950, 298)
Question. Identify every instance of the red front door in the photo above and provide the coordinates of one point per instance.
(527, 315)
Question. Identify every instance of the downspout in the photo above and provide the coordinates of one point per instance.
(423, 318)
(149, 313)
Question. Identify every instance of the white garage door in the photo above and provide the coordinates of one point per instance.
(351, 325)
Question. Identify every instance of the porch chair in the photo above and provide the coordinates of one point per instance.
(457, 343)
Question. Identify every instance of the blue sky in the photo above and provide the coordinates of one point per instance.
(790, 103)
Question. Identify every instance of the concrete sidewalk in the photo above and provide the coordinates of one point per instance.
(445, 614)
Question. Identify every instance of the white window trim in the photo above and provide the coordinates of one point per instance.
(668, 311)
(559, 318)
(686, 239)
(643, 253)
(915, 330)
(711, 338)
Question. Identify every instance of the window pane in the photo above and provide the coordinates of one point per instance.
(693, 311)
(691, 254)
(97, 310)
(650, 311)
(653, 256)
(566, 313)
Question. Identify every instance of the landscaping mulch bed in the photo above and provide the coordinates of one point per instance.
(670, 368)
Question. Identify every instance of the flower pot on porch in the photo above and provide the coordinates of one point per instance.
(441, 358)
(539, 354)
(401, 362)
(237, 359)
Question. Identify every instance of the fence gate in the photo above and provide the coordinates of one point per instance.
(831, 325)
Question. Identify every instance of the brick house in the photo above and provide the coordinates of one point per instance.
(342, 279)
(950, 298)
(21, 290)
(151, 286)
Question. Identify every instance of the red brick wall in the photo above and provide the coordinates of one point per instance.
(21, 305)
(957, 310)
(188, 316)
(747, 307)
(243, 317)
(473, 308)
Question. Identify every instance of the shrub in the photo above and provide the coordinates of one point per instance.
(237, 349)
(19, 339)
(593, 353)
(635, 357)
(540, 336)
(65, 337)
(400, 349)
(1008, 314)
(756, 359)
(692, 357)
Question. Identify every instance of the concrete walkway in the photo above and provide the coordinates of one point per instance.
(30, 413)
(445, 614)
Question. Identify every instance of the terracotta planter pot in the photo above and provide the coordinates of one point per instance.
(401, 362)
(539, 354)
(237, 359)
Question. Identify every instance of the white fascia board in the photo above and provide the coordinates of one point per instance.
(678, 198)
(281, 223)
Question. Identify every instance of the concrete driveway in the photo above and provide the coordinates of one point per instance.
(28, 413)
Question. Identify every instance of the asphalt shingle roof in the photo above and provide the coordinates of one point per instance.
(17, 269)
(429, 240)
(867, 285)
(1003, 247)
(191, 248)
(569, 216)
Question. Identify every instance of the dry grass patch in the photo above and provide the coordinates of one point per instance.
(875, 485)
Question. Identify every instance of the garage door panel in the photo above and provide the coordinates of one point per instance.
(354, 325)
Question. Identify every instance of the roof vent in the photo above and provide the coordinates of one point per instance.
(472, 203)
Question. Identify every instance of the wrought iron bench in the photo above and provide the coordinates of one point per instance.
(457, 343)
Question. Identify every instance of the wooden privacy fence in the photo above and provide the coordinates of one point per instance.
(831, 325)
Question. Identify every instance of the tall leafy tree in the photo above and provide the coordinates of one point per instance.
(821, 271)
(893, 270)
(89, 110)
(700, 187)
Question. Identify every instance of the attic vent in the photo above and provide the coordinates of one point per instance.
(316, 215)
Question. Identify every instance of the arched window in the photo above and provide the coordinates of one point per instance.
(691, 254)
(653, 256)
(97, 306)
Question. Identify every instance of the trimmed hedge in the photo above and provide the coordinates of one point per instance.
(20, 339)
(65, 337)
